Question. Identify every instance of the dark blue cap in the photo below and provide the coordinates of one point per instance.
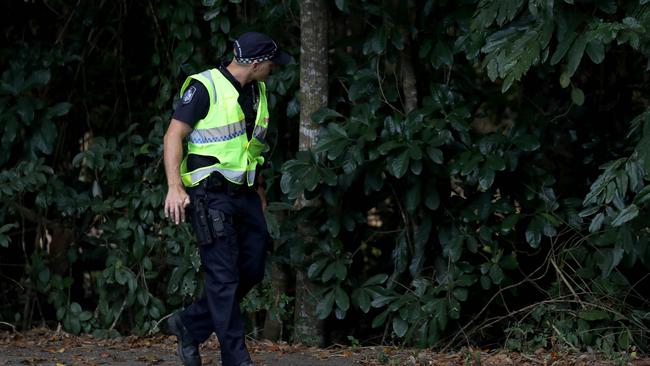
(254, 46)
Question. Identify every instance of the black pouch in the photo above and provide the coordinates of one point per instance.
(217, 222)
(200, 223)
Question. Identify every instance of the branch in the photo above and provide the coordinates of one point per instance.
(119, 313)
(13, 328)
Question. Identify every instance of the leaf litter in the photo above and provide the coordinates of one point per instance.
(46, 347)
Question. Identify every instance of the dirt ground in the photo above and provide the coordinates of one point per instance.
(44, 347)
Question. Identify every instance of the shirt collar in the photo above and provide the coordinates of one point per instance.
(223, 68)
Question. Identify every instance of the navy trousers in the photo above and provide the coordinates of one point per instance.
(232, 264)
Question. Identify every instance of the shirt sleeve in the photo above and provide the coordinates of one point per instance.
(193, 105)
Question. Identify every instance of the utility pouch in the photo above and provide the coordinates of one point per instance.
(217, 222)
(201, 223)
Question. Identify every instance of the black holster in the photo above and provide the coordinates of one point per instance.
(200, 221)
(208, 223)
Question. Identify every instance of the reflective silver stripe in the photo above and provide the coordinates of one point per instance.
(218, 134)
(259, 132)
(231, 175)
(207, 74)
(251, 177)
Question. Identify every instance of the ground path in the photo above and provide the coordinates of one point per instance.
(44, 347)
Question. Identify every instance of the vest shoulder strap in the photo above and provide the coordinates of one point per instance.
(207, 78)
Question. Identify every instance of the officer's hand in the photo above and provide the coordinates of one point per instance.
(175, 203)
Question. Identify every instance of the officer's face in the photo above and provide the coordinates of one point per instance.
(261, 70)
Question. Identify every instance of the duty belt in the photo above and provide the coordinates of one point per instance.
(217, 183)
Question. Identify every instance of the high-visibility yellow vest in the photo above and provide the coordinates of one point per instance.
(222, 133)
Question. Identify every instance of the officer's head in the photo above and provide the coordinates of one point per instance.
(260, 53)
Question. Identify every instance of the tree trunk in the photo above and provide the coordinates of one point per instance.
(273, 325)
(408, 79)
(406, 70)
(313, 68)
(308, 329)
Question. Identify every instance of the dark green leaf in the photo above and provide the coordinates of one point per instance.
(509, 223)
(496, 274)
(380, 319)
(324, 307)
(435, 155)
(577, 96)
(597, 222)
(225, 25)
(211, 14)
(342, 299)
(400, 164)
(376, 280)
(509, 262)
(533, 235)
(316, 267)
(453, 249)
(460, 293)
(325, 114)
(593, 314)
(624, 339)
(563, 47)
(60, 109)
(330, 272)
(382, 300)
(38, 78)
(400, 326)
(121, 276)
(363, 299)
(565, 80)
(575, 55)
(596, 51)
(486, 283)
(627, 214)
(432, 199)
(341, 270)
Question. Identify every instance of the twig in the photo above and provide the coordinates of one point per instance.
(532, 359)
(383, 338)
(51, 8)
(527, 279)
(379, 81)
(160, 33)
(399, 95)
(632, 288)
(11, 279)
(404, 217)
(151, 332)
(65, 26)
(563, 114)
(448, 76)
(561, 275)
(564, 339)
(119, 313)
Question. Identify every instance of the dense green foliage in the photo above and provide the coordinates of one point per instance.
(509, 206)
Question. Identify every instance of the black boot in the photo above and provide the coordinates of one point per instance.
(188, 348)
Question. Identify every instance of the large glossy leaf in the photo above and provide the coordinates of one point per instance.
(324, 307)
(400, 326)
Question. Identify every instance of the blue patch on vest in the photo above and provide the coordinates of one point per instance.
(189, 94)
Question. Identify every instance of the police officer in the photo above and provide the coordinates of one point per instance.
(224, 114)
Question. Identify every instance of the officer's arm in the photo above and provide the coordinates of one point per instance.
(177, 199)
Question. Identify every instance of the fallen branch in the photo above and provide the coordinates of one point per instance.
(13, 328)
(155, 328)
